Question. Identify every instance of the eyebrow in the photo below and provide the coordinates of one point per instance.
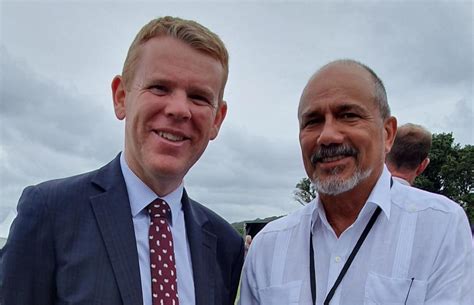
(199, 90)
(202, 91)
(338, 108)
(350, 106)
(156, 81)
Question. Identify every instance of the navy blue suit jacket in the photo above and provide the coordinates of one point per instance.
(73, 242)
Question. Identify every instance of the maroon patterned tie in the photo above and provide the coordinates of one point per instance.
(164, 285)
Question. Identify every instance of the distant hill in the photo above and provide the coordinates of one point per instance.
(239, 226)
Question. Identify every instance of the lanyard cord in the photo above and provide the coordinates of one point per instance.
(348, 263)
(312, 269)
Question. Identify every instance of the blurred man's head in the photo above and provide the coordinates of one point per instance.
(408, 157)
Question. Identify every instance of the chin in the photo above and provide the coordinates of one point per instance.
(168, 170)
(337, 184)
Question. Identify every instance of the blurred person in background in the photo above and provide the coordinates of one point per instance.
(408, 157)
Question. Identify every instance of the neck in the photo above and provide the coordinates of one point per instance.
(407, 176)
(342, 209)
(161, 185)
(341, 213)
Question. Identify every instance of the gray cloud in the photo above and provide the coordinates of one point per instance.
(47, 131)
(244, 176)
(430, 40)
(56, 65)
(461, 122)
(39, 111)
(56, 132)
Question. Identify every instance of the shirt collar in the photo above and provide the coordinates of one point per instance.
(401, 180)
(140, 195)
(380, 196)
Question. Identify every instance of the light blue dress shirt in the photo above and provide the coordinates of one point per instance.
(140, 196)
(418, 252)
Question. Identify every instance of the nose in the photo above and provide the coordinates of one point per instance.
(330, 133)
(177, 107)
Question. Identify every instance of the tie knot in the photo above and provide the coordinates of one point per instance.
(159, 209)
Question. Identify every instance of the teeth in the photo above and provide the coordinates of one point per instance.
(170, 136)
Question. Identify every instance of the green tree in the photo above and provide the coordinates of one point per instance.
(450, 172)
(304, 192)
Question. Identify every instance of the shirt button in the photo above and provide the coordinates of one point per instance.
(337, 259)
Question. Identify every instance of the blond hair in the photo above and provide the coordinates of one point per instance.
(190, 32)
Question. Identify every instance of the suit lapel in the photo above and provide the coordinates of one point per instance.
(114, 217)
(202, 244)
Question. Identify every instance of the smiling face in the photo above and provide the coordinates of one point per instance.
(171, 110)
(343, 137)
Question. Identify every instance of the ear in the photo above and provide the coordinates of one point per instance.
(390, 130)
(118, 95)
(423, 165)
(220, 116)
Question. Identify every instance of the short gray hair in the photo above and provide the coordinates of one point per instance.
(379, 92)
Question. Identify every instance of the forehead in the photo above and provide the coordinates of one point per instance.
(336, 85)
(167, 56)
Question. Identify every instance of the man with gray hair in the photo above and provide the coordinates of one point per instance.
(408, 157)
(363, 239)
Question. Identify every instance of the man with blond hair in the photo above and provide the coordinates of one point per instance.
(408, 157)
(128, 233)
(363, 239)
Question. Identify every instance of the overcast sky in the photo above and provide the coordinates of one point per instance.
(58, 59)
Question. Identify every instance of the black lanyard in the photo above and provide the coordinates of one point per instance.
(348, 263)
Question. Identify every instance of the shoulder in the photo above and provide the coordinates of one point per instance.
(66, 183)
(63, 189)
(434, 212)
(290, 221)
(414, 199)
(65, 193)
(278, 232)
(41, 205)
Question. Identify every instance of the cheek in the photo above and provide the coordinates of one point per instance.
(307, 145)
(134, 122)
(307, 150)
(204, 121)
(374, 151)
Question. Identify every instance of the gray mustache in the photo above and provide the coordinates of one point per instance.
(333, 150)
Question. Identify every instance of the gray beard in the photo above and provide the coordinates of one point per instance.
(334, 185)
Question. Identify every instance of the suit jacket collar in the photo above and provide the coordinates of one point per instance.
(203, 245)
(112, 207)
(114, 218)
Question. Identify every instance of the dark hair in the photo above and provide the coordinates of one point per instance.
(411, 146)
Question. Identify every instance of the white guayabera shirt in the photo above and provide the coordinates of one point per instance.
(418, 252)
